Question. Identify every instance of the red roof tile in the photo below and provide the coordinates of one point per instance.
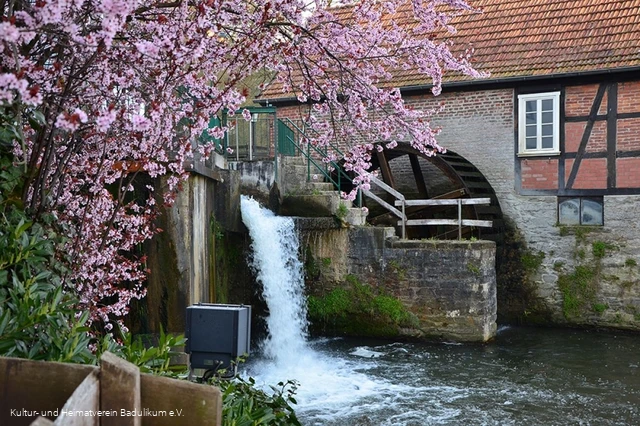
(525, 38)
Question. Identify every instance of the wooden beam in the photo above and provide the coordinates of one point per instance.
(185, 403)
(387, 177)
(612, 129)
(454, 202)
(586, 135)
(85, 399)
(417, 174)
(36, 386)
(451, 222)
(383, 203)
(386, 187)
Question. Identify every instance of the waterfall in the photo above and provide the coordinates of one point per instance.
(279, 271)
(327, 385)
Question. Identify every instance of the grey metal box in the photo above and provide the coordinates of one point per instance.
(217, 334)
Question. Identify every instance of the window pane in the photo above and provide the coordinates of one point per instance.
(547, 117)
(531, 118)
(531, 131)
(547, 142)
(569, 212)
(531, 105)
(592, 212)
(531, 143)
(547, 104)
(547, 130)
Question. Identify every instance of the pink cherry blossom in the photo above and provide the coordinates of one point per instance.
(126, 85)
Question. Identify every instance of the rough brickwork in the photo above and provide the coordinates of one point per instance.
(480, 126)
(592, 173)
(628, 134)
(539, 174)
(628, 97)
(579, 99)
(628, 175)
(450, 286)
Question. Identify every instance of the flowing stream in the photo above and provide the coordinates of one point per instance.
(527, 376)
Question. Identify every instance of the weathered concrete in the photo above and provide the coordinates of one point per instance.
(182, 257)
(256, 177)
(450, 286)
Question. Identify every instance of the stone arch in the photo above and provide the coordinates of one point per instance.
(447, 175)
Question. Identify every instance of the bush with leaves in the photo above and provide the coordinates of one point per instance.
(244, 404)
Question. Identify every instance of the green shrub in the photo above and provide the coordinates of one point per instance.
(243, 404)
(37, 315)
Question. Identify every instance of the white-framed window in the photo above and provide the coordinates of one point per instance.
(539, 124)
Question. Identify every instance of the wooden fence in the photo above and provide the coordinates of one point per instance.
(459, 221)
(39, 393)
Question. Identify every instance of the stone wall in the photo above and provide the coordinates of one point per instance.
(448, 286)
(480, 126)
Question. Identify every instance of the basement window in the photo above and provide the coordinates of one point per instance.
(539, 124)
(580, 211)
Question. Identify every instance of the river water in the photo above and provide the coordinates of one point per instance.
(527, 376)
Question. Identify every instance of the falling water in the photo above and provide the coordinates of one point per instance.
(528, 376)
(279, 271)
(325, 382)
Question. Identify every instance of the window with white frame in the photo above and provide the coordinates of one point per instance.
(539, 124)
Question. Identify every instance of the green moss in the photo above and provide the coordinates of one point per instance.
(473, 269)
(359, 310)
(630, 262)
(532, 261)
(578, 289)
(401, 273)
(326, 261)
(627, 284)
(599, 307)
(557, 266)
(342, 211)
(599, 248)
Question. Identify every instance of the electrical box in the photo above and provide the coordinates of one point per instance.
(217, 334)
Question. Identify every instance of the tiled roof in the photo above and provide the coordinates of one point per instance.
(527, 38)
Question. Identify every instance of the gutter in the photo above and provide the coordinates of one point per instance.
(467, 84)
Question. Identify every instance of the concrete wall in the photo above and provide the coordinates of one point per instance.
(450, 286)
(182, 258)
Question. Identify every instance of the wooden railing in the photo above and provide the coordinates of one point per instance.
(459, 222)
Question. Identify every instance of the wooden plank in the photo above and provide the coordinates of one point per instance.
(119, 390)
(417, 174)
(414, 222)
(386, 187)
(432, 202)
(170, 402)
(451, 222)
(387, 176)
(81, 409)
(36, 386)
(383, 203)
(456, 193)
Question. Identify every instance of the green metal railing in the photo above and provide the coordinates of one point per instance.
(289, 144)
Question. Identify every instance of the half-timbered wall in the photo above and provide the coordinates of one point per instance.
(599, 144)
(599, 156)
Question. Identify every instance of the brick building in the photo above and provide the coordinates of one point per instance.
(555, 132)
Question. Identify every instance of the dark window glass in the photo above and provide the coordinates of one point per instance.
(580, 211)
